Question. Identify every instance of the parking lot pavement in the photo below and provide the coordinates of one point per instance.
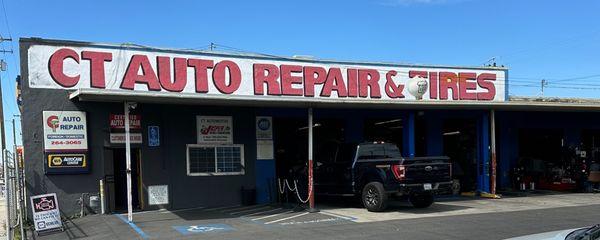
(214, 221)
(465, 205)
(275, 220)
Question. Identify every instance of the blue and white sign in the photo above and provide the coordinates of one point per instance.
(153, 136)
(264, 128)
(205, 228)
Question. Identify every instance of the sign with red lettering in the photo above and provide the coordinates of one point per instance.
(65, 131)
(214, 129)
(139, 70)
(117, 121)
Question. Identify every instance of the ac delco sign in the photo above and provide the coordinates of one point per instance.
(173, 72)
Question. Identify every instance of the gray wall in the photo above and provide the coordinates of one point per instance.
(160, 165)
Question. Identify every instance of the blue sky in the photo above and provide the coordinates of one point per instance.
(553, 40)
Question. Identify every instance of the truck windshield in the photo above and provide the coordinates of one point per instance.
(378, 151)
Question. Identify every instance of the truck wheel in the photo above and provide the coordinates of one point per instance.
(421, 200)
(374, 197)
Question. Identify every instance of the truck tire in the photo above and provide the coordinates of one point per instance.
(421, 200)
(374, 197)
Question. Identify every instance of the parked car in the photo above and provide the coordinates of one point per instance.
(376, 171)
(586, 233)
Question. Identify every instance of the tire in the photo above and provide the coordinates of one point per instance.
(374, 197)
(421, 200)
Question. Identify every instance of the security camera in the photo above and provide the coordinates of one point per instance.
(132, 105)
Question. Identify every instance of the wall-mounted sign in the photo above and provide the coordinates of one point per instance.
(158, 194)
(117, 129)
(170, 73)
(66, 163)
(264, 128)
(46, 214)
(65, 131)
(66, 160)
(119, 138)
(117, 121)
(264, 150)
(153, 136)
(214, 129)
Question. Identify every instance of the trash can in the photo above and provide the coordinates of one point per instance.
(248, 196)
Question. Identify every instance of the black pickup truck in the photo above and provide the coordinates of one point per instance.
(377, 171)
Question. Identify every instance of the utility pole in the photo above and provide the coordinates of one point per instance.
(544, 84)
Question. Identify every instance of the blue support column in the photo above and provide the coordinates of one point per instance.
(483, 160)
(409, 135)
(434, 138)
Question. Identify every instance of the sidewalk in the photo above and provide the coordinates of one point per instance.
(2, 218)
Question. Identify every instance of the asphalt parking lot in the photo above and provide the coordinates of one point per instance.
(235, 221)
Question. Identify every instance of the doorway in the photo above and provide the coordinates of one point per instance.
(460, 144)
(120, 178)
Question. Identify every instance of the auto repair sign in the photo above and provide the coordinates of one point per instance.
(46, 214)
(65, 131)
(137, 70)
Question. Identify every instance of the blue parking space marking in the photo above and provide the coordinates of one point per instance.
(138, 230)
(204, 228)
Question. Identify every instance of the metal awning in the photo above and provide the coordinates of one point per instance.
(521, 104)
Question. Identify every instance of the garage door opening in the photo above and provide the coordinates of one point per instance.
(547, 162)
(291, 149)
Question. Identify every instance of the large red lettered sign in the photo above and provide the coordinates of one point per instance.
(139, 70)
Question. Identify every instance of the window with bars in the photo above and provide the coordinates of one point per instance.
(208, 160)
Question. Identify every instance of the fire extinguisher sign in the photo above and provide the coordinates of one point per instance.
(46, 215)
(65, 131)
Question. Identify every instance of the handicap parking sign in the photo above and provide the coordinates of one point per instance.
(204, 228)
(153, 136)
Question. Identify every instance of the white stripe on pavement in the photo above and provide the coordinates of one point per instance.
(270, 216)
(257, 213)
(287, 218)
(249, 210)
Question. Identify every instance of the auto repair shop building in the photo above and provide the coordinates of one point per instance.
(204, 124)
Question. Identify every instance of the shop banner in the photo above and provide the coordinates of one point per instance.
(46, 214)
(176, 73)
(65, 131)
(214, 129)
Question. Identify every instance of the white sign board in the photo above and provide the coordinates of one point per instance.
(264, 128)
(214, 129)
(65, 131)
(186, 73)
(158, 194)
(264, 150)
(134, 138)
(46, 214)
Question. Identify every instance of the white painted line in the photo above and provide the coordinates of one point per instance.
(339, 216)
(273, 215)
(257, 213)
(287, 218)
(250, 210)
(242, 208)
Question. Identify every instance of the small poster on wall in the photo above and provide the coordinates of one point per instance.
(214, 129)
(158, 194)
(65, 131)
